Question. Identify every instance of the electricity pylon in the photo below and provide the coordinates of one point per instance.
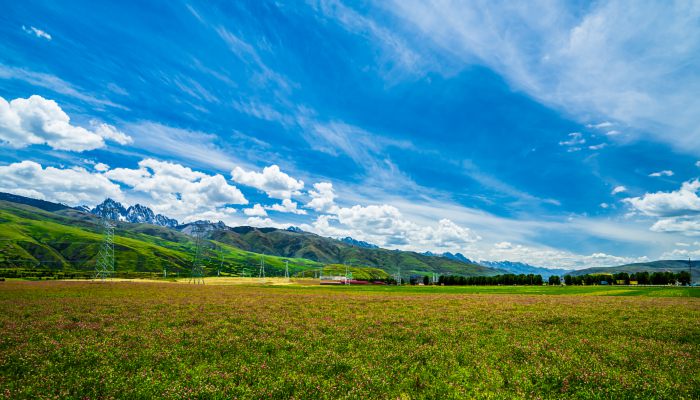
(105, 258)
(261, 274)
(286, 270)
(197, 271)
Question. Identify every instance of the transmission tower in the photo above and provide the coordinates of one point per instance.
(221, 263)
(197, 272)
(105, 258)
(286, 270)
(261, 274)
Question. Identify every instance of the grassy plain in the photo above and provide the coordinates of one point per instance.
(165, 340)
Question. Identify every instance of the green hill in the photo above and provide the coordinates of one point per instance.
(674, 266)
(59, 238)
(286, 243)
(68, 240)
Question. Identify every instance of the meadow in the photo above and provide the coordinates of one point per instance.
(62, 339)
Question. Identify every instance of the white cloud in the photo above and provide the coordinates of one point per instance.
(101, 167)
(552, 258)
(264, 223)
(386, 226)
(322, 198)
(178, 191)
(604, 205)
(578, 58)
(661, 173)
(287, 206)
(256, 211)
(574, 139)
(109, 132)
(677, 211)
(619, 189)
(199, 148)
(55, 84)
(688, 226)
(36, 120)
(697, 164)
(602, 125)
(612, 133)
(598, 146)
(36, 32)
(271, 180)
(684, 201)
(71, 186)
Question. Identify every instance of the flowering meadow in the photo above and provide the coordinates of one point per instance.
(167, 340)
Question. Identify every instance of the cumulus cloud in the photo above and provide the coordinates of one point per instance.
(619, 189)
(385, 225)
(271, 180)
(598, 146)
(36, 32)
(552, 258)
(71, 186)
(661, 173)
(287, 206)
(683, 201)
(178, 191)
(36, 120)
(689, 226)
(255, 211)
(677, 211)
(322, 197)
(101, 167)
(264, 223)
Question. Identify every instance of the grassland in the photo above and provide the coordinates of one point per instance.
(164, 340)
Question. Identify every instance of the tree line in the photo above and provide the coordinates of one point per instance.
(506, 279)
(623, 278)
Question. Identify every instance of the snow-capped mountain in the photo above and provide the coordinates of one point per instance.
(522, 268)
(358, 243)
(138, 214)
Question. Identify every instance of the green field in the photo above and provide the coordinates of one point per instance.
(168, 340)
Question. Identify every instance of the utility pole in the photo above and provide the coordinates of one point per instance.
(286, 270)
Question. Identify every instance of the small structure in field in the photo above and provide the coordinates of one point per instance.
(333, 280)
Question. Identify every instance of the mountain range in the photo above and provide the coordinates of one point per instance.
(137, 214)
(42, 234)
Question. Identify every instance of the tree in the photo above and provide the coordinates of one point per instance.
(426, 280)
(554, 280)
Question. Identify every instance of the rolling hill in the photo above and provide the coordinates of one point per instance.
(674, 266)
(58, 237)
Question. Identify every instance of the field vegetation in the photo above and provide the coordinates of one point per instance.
(167, 340)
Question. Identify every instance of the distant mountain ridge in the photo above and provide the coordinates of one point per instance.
(674, 266)
(523, 268)
(137, 214)
(358, 243)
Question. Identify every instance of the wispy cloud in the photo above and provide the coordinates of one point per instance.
(53, 83)
(36, 32)
(578, 59)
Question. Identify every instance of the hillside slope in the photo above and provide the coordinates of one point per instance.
(291, 243)
(674, 266)
(69, 240)
(59, 237)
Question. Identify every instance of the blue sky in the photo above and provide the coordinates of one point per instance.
(560, 134)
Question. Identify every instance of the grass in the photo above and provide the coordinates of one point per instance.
(164, 340)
